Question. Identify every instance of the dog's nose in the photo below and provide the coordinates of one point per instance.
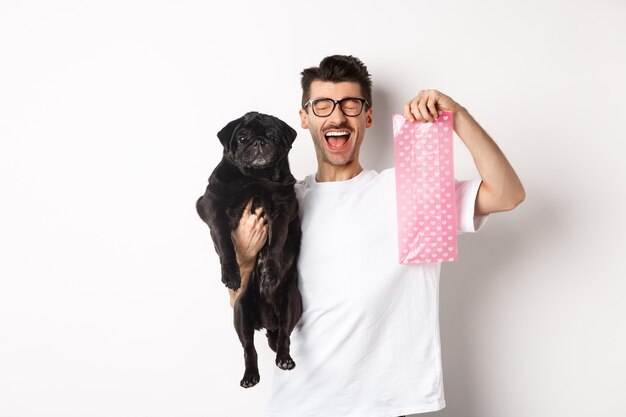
(259, 142)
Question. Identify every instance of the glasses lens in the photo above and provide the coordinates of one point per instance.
(323, 107)
(351, 106)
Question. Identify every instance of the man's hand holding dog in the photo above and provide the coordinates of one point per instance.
(248, 239)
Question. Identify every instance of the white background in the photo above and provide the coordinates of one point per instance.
(110, 297)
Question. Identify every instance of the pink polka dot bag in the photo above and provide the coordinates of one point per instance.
(426, 209)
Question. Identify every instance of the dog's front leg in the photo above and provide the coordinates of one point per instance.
(220, 233)
(220, 226)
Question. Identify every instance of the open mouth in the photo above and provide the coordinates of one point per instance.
(337, 140)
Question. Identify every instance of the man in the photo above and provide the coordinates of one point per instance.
(367, 343)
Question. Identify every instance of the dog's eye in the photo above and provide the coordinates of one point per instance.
(242, 138)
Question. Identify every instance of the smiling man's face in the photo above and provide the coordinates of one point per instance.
(337, 138)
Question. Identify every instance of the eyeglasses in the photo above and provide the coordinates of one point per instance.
(324, 107)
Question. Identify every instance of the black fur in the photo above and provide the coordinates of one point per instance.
(255, 165)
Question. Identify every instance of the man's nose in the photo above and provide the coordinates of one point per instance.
(337, 114)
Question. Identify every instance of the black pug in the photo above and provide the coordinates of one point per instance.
(255, 165)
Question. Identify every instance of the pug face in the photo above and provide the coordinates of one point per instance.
(256, 140)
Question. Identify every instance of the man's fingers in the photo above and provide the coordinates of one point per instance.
(250, 218)
(257, 222)
(425, 112)
(259, 215)
(248, 208)
(416, 111)
(407, 111)
(432, 107)
(245, 216)
(423, 107)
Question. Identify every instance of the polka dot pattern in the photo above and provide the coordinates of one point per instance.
(425, 190)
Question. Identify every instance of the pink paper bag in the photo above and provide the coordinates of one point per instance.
(425, 190)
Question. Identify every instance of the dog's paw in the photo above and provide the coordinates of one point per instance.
(231, 277)
(285, 363)
(250, 379)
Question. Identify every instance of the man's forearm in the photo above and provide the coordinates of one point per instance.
(245, 272)
(499, 178)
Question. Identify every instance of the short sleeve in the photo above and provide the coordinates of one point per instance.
(465, 194)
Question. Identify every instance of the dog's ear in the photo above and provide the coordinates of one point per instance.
(288, 132)
(225, 135)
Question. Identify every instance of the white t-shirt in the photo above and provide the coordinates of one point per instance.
(367, 344)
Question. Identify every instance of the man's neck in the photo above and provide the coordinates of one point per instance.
(327, 173)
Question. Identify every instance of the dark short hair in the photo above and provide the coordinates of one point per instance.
(336, 69)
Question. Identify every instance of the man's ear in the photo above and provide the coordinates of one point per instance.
(226, 133)
(304, 119)
(368, 117)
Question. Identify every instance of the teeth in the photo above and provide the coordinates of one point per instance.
(337, 134)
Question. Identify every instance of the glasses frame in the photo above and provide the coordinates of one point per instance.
(363, 101)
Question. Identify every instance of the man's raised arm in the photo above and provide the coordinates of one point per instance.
(501, 188)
